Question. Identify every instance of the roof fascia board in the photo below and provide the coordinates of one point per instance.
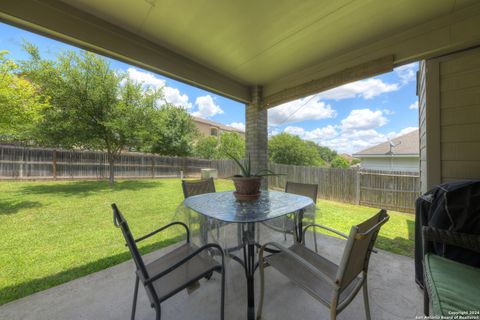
(446, 34)
(362, 71)
(62, 22)
(410, 155)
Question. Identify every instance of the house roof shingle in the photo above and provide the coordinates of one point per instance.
(407, 144)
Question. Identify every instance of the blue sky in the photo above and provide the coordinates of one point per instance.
(347, 119)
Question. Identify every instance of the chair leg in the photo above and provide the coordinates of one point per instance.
(365, 299)
(285, 228)
(333, 313)
(426, 302)
(315, 239)
(135, 293)
(222, 298)
(262, 288)
(158, 312)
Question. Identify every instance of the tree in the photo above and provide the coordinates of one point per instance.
(340, 162)
(326, 153)
(219, 147)
(285, 148)
(91, 105)
(206, 147)
(230, 143)
(20, 102)
(172, 132)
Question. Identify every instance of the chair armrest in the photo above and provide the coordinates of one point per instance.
(464, 240)
(165, 227)
(323, 227)
(294, 256)
(187, 258)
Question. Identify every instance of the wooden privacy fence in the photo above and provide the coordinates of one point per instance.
(380, 189)
(392, 190)
(35, 163)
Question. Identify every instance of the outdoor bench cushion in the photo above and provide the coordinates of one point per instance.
(452, 286)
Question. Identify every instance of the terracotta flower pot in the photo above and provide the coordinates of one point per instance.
(247, 188)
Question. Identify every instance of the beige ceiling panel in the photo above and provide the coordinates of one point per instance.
(228, 44)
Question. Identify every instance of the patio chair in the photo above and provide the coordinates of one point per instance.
(307, 190)
(179, 269)
(196, 187)
(287, 223)
(333, 285)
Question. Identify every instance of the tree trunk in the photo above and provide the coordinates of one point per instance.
(111, 168)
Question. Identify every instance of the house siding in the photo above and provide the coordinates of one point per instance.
(453, 91)
(409, 164)
(421, 80)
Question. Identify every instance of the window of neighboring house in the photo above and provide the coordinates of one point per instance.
(213, 131)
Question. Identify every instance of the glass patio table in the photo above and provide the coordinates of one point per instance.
(222, 209)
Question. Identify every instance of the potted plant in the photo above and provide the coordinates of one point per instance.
(247, 184)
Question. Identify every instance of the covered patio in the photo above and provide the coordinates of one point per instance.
(107, 294)
(263, 54)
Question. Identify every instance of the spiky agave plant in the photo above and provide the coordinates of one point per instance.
(247, 168)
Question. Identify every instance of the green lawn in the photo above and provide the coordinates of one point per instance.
(53, 232)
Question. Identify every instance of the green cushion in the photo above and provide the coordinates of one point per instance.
(452, 286)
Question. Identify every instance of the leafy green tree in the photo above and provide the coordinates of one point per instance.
(91, 105)
(326, 153)
(219, 147)
(20, 102)
(355, 161)
(206, 147)
(285, 148)
(172, 132)
(340, 162)
(230, 143)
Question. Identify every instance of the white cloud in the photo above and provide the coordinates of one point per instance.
(206, 107)
(147, 78)
(406, 130)
(317, 135)
(413, 106)
(407, 72)
(172, 95)
(273, 131)
(309, 108)
(357, 140)
(238, 125)
(363, 119)
(366, 89)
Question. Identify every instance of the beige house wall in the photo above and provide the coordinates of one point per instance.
(206, 129)
(450, 118)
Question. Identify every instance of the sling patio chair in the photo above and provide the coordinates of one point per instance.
(196, 187)
(288, 223)
(333, 285)
(179, 269)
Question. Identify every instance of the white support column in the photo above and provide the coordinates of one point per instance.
(256, 134)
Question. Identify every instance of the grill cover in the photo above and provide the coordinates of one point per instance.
(453, 206)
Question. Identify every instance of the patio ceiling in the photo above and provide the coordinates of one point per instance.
(291, 48)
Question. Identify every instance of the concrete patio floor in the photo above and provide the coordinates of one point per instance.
(108, 294)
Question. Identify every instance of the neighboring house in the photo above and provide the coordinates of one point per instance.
(212, 128)
(399, 154)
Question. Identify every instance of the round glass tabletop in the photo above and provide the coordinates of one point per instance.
(224, 207)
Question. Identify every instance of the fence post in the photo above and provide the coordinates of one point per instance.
(153, 166)
(54, 164)
(357, 189)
